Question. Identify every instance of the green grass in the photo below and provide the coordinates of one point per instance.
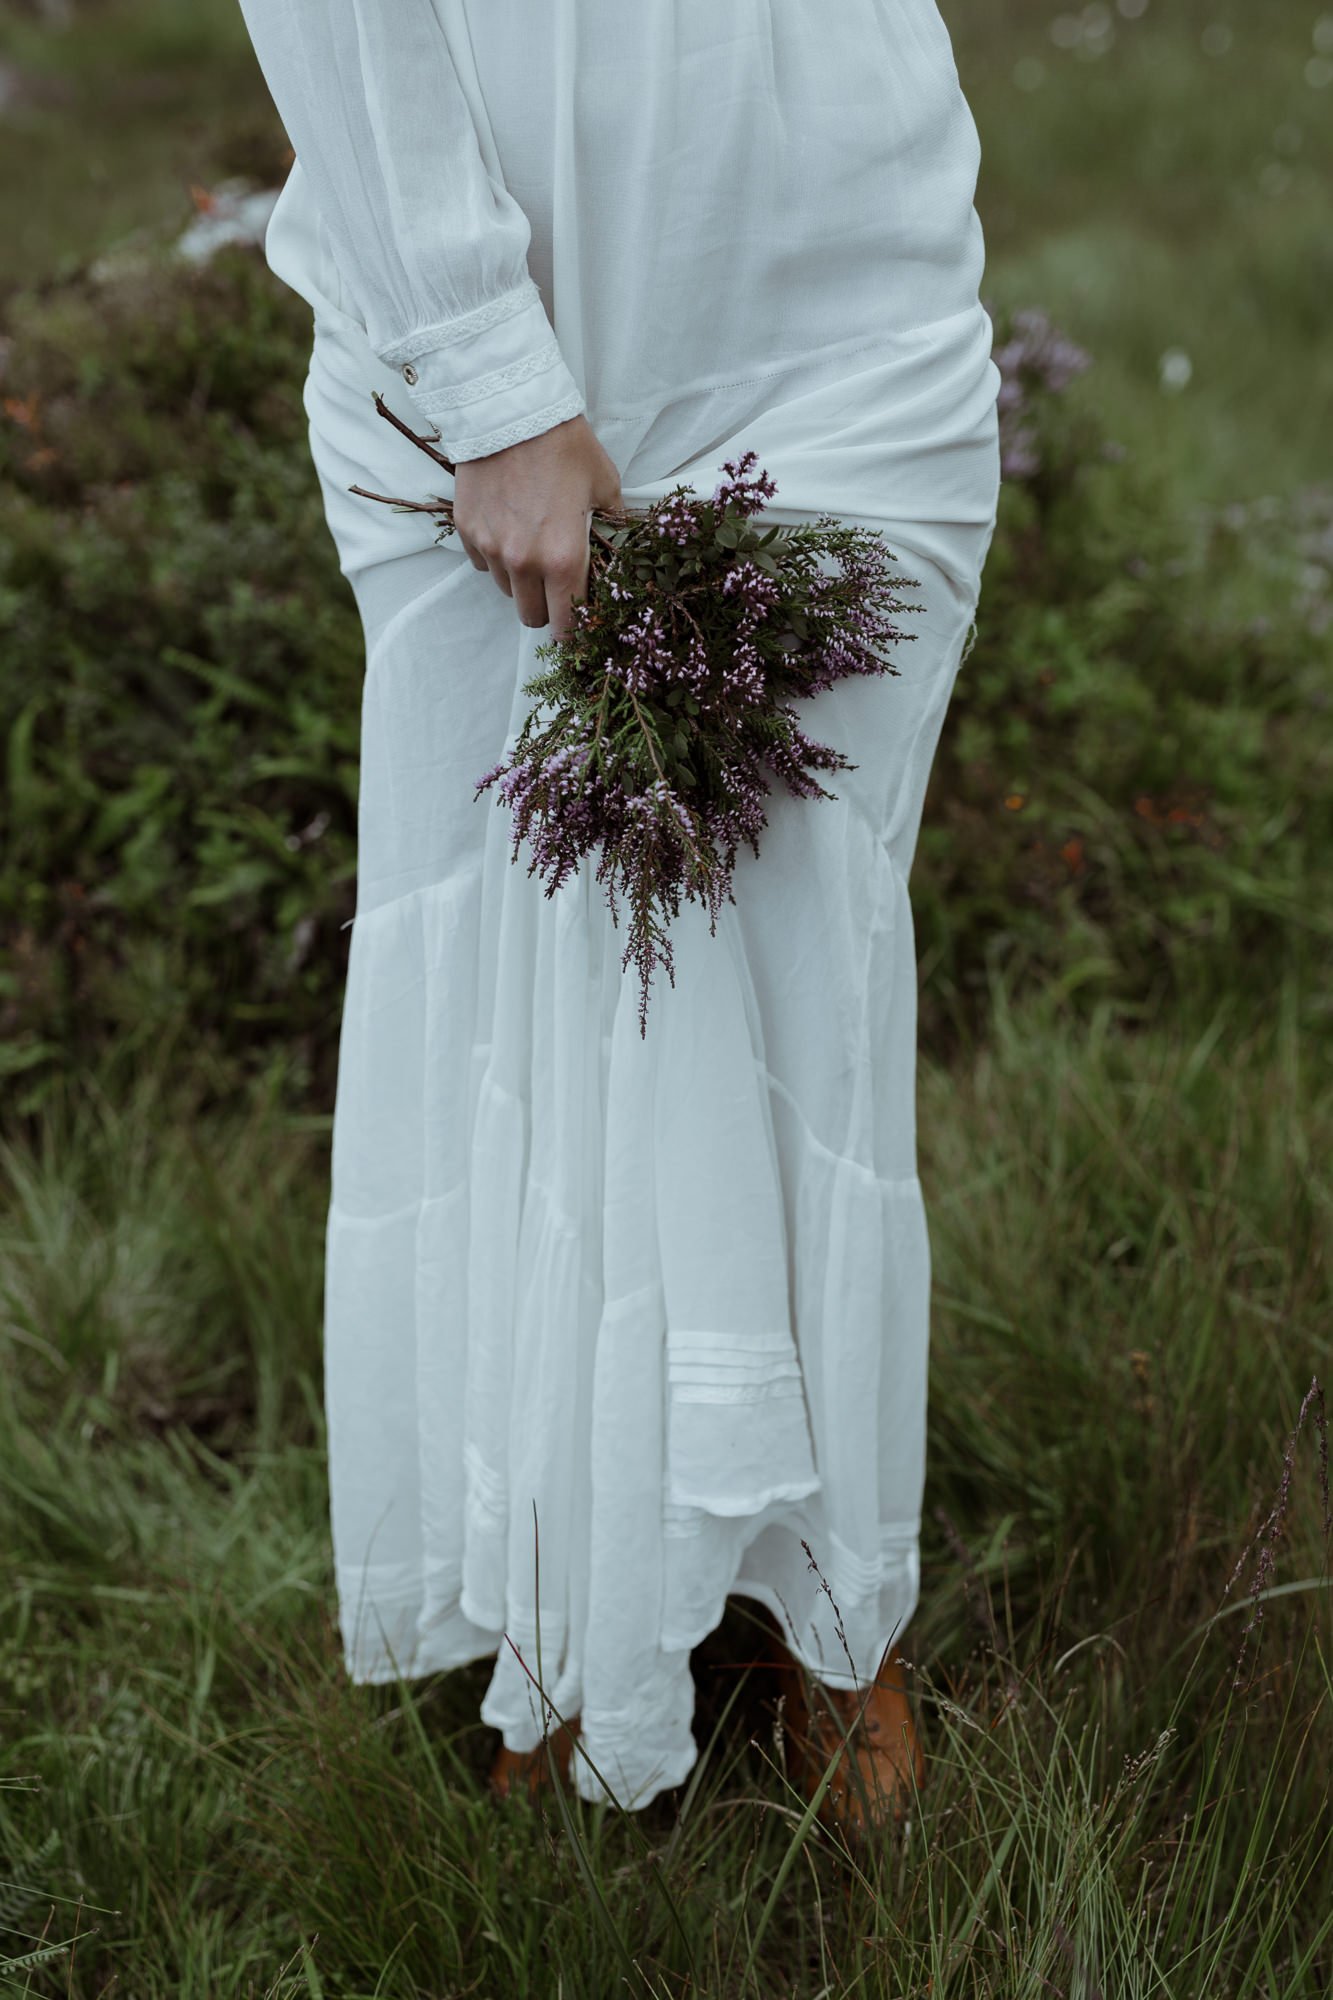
(1128, 1791)
(1132, 1296)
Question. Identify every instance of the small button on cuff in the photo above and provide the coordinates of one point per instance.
(409, 374)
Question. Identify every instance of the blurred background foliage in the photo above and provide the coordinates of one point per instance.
(1133, 793)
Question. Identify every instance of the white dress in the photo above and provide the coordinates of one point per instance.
(614, 1326)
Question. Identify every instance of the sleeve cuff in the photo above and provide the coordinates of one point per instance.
(491, 378)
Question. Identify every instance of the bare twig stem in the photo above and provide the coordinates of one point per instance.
(424, 444)
(411, 506)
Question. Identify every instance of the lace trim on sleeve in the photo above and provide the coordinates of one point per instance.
(445, 333)
(517, 433)
(433, 401)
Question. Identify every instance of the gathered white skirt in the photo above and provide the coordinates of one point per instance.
(615, 1326)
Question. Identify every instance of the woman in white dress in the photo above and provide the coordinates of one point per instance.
(615, 1326)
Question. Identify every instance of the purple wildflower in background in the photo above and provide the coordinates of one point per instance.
(1034, 359)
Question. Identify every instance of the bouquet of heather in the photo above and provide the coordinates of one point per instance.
(669, 697)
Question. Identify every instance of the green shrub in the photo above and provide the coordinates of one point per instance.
(1129, 798)
(181, 679)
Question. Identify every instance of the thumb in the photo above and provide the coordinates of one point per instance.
(606, 493)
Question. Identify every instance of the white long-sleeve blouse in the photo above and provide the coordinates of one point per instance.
(698, 193)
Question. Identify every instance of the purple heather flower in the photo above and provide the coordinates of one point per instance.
(756, 590)
(1019, 456)
(1035, 359)
(676, 520)
(740, 491)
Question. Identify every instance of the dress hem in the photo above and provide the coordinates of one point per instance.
(489, 1643)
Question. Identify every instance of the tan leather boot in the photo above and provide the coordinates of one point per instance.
(881, 1739)
(514, 1768)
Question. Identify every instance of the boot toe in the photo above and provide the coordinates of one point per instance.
(881, 1743)
(530, 1770)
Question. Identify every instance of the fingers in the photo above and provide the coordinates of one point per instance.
(523, 582)
(518, 586)
(543, 590)
(529, 595)
(526, 517)
(559, 607)
(564, 584)
(474, 555)
(610, 499)
(496, 566)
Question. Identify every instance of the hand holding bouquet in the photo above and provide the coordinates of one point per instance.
(669, 697)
